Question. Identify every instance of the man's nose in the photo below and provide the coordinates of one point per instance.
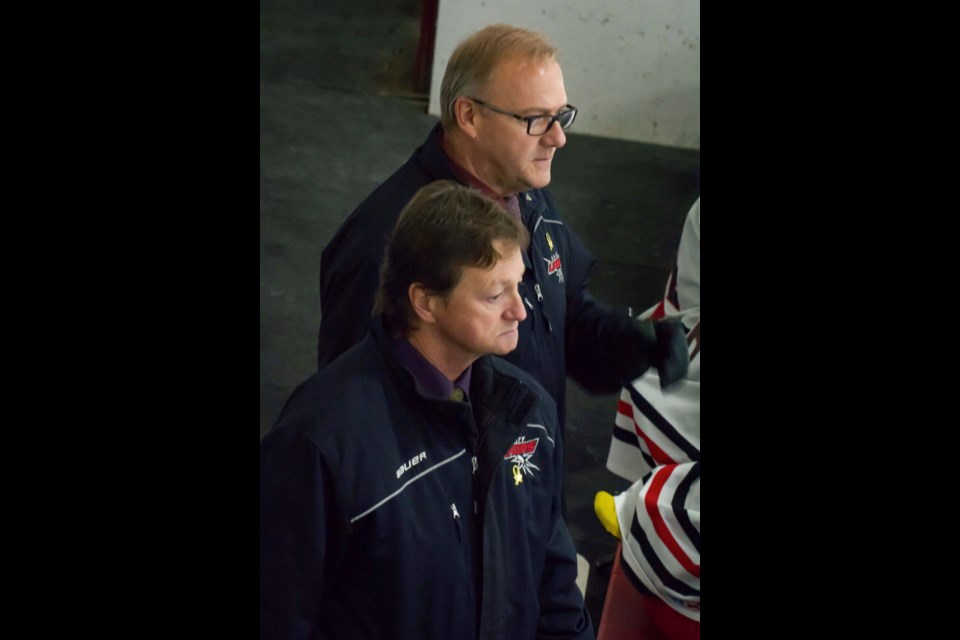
(516, 310)
(555, 137)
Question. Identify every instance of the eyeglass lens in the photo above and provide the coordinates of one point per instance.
(541, 125)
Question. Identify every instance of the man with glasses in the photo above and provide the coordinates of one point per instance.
(504, 110)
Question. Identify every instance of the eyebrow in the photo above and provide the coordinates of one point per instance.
(506, 280)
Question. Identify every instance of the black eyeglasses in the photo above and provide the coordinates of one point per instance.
(537, 125)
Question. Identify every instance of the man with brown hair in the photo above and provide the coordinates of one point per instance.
(504, 112)
(412, 488)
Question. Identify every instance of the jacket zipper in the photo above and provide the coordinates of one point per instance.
(546, 320)
(534, 257)
(456, 520)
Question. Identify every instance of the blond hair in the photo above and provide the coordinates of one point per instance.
(474, 60)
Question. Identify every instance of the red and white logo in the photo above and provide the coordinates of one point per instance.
(520, 454)
(553, 262)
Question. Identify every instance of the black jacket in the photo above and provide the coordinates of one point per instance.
(370, 503)
(566, 330)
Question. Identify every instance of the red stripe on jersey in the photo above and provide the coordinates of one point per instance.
(663, 532)
(660, 312)
(626, 409)
(660, 457)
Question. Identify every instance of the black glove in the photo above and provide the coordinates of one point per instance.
(672, 358)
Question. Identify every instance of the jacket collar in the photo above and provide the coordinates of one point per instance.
(491, 391)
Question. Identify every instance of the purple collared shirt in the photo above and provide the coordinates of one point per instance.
(430, 381)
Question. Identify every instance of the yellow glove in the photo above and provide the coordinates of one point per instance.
(607, 512)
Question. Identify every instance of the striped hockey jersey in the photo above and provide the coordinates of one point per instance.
(656, 444)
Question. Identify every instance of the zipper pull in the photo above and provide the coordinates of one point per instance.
(529, 304)
(475, 465)
(456, 514)
(546, 320)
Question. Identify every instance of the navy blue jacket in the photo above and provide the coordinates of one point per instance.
(566, 330)
(386, 514)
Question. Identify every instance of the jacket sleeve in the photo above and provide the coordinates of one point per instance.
(348, 284)
(350, 263)
(294, 496)
(606, 348)
(563, 613)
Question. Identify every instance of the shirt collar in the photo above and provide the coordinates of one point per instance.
(429, 380)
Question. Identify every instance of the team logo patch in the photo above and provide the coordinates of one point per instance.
(520, 454)
(553, 262)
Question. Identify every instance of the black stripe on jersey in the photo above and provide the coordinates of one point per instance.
(631, 439)
(666, 578)
(677, 504)
(663, 425)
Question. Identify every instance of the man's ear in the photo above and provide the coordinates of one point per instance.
(466, 112)
(422, 302)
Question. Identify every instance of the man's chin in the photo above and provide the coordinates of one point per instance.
(541, 181)
(506, 344)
